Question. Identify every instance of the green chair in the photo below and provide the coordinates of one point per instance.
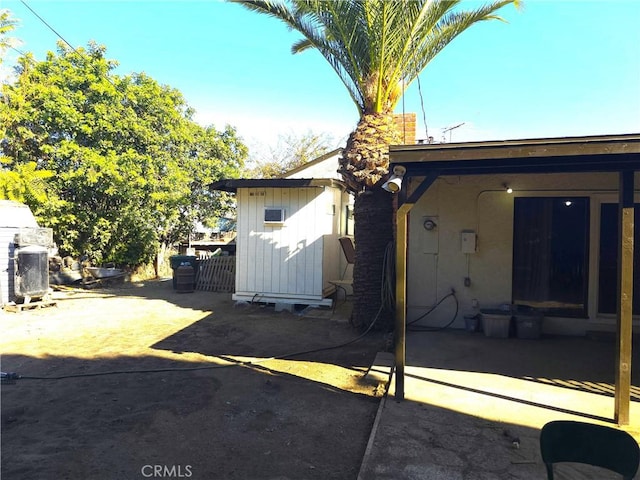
(578, 442)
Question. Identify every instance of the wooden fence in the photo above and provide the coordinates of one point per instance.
(217, 274)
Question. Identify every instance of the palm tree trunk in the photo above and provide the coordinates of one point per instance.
(373, 212)
(364, 167)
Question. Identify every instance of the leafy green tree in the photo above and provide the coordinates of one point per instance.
(131, 166)
(25, 183)
(206, 206)
(7, 24)
(376, 47)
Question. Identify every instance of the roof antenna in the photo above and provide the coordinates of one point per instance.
(449, 129)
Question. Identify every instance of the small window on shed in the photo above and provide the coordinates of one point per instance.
(274, 215)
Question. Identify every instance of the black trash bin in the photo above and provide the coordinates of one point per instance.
(32, 272)
(178, 261)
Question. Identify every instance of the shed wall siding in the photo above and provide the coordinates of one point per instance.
(283, 260)
(333, 258)
(7, 266)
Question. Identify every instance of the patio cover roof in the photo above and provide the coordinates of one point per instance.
(606, 153)
(548, 155)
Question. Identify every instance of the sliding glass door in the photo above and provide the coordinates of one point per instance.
(550, 254)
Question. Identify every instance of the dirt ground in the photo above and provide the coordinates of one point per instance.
(191, 409)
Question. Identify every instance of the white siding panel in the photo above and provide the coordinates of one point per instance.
(279, 260)
(279, 275)
(300, 242)
(311, 221)
(256, 244)
(241, 239)
(333, 261)
(257, 250)
(250, 211)
(325, 226)
(295, 248)
(7, 267)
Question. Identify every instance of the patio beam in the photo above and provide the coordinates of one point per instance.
(624, 298)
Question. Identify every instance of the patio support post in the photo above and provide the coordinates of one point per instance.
(624, 298)
(402, 240)
(402, 220)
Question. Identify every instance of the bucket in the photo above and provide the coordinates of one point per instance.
(472, 323)
(185, 279)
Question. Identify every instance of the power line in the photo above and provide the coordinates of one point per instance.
(19, 51)
(424, 115)
(84, 57)
(49, 26)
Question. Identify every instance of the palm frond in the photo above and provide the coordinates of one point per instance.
(376, 45)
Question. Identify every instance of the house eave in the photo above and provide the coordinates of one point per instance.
(567, 154)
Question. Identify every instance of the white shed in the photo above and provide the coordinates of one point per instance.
(287, 247)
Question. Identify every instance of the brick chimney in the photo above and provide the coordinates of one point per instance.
(407, 125)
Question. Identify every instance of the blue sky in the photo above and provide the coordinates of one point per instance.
(557, 68)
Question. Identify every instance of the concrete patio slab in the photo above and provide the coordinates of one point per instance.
(474, 406)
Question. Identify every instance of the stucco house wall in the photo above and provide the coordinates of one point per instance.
(436, 263)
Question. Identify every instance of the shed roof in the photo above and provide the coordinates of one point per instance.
(232, 185)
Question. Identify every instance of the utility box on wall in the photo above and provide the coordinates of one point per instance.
(468, 241)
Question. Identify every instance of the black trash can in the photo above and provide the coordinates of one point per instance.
(32, 272)
(178, 261)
